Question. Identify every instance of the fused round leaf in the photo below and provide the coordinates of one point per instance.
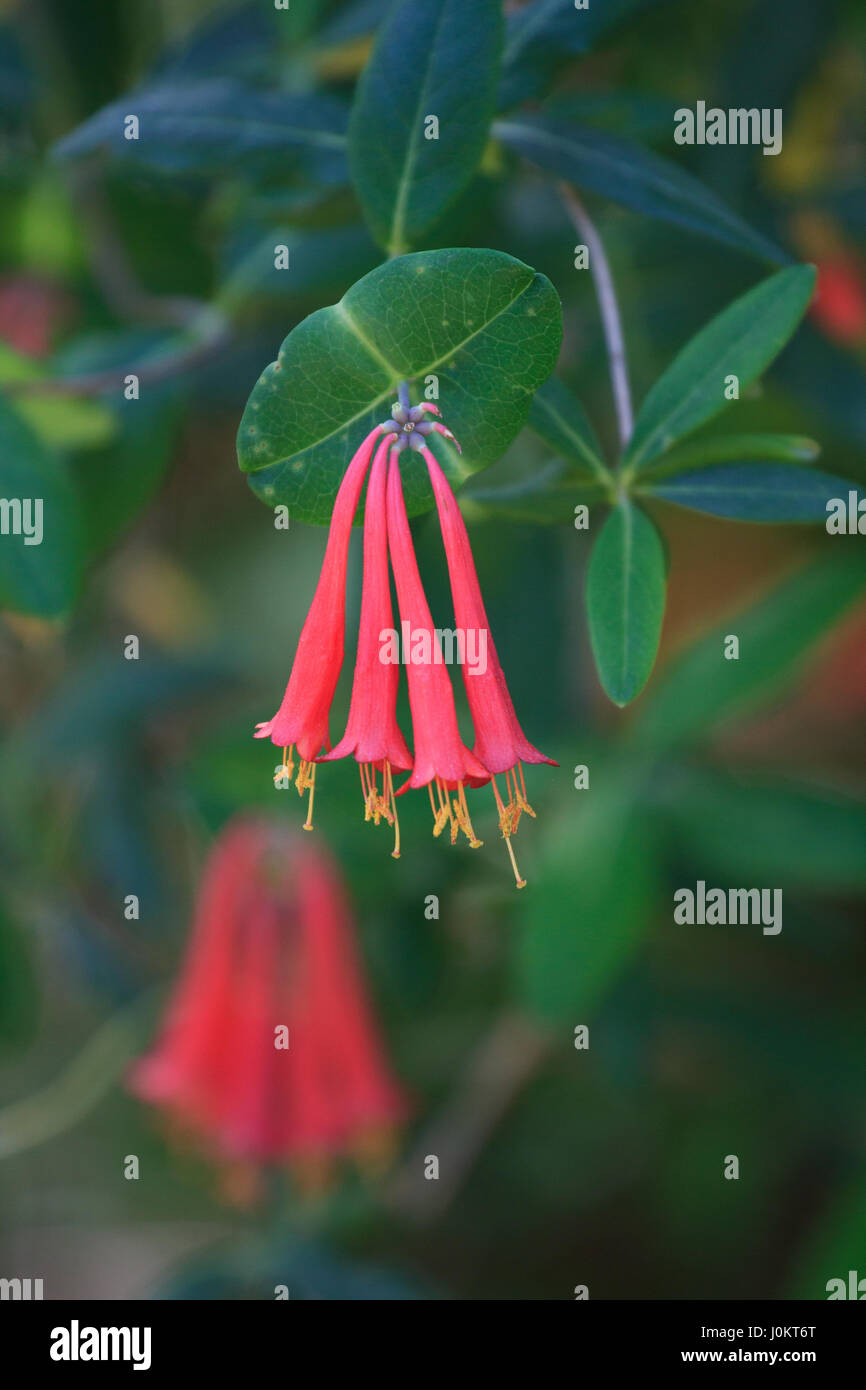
(625, 597)
(485, 325)
(434, 61)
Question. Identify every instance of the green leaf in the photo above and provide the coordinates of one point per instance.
(561, 421)
(41, 576)
(68, 422)
(736, 448)
(770, 831)
(584, 914)
(205, 126)
(593, 159)
(432, 58)
(702, 688)
(485, 324)
(546, 498)
(753, 491)
(544, 32)
(625, 598)
(741, 341)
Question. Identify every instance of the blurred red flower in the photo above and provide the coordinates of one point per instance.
(269, 1051)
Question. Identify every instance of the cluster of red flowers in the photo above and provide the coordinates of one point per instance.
(441, 761)
(269, 1051)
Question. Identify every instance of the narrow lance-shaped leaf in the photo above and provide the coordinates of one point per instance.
(422, 112)
(735, 448)
(625, 597)
(558, 417)
(740, 342)
(486, 326)
(701, 688)
(607, 164)
(754, 492)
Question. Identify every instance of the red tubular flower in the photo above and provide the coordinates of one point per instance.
(302, 719)
(441, 760)
(441, 757)
(272, 949)
(500, 743)
(372, 733)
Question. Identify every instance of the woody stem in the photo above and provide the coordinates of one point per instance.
(608, 307)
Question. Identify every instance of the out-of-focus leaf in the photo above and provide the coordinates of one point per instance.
(432, 58)
(627, 174)
(583, 915)
(753, 491)
(542, 33)
(40, 577)
(777, 832)
(701, 688)
(485, 324)
(736, 448)
(18, 988)
(64, 421)
(741, 341)
(625, 599)
(237, 42)
(319, 261)
(546, 498)
(561, 421)
(203, 127)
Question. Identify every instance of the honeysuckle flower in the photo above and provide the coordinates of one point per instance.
(301, 722)
(372, 733)
(500, 743)
(269, 1052)
(442, 760)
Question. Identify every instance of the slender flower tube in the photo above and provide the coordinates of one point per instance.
(500, 743)
(269, 1052)
(372, 733)
(442, 761)
(302, 719)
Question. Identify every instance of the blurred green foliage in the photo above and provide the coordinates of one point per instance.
(155, 258)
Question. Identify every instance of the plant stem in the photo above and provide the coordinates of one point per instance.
(506, 1060)
(403, 394)
(608, 307)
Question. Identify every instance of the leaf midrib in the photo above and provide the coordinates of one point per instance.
(639, 456)
(395, 241)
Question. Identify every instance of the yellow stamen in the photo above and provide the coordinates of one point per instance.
(311, 783)
(461, 810)
(395, 852)
(505, 823)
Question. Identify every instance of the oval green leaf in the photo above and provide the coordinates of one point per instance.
(434, 59)
(736, 448)
(485, 325)
(741, 341)
(625, 598)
